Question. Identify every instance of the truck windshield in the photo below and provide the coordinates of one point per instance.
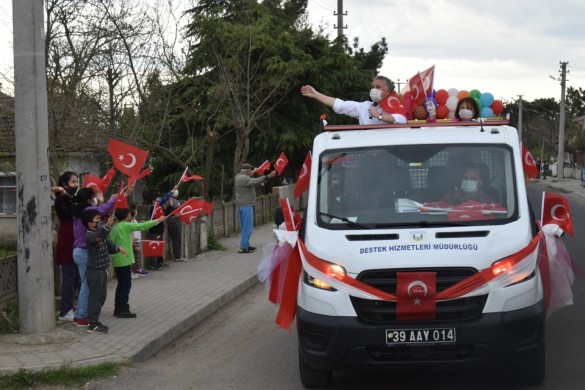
(416, 185)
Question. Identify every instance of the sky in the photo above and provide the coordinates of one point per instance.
(508, 48)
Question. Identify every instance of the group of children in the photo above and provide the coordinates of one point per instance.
(99, 240)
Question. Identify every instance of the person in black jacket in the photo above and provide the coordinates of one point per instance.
(99, 248)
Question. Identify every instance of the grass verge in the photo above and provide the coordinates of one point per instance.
(63, 376)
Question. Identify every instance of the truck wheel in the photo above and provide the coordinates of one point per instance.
(532, 374)
(311, 378)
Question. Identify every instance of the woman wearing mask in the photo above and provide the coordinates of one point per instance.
(368, 112)
(470, 188)
(65, 191)
(467, 110)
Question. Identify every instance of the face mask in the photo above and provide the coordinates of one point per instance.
(175, 193)
(375, 94)
(71, 190)
(465, 114)
(469, 186)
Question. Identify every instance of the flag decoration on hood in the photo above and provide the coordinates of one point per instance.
(416, 296)
(127, 159)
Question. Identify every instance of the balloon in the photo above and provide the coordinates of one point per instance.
(475, 93)
(452, 92)
(486, 99)
(442, 111)
(486, 112)
(462, 94)
(452, 103)
(479, 104)
(442, 96)
(420, 112)
(497, 107)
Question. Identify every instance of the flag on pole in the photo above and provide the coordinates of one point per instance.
(141, 175)
(91, 181)
(127, 159)
(107, 179)
(185, 178)
(157, 211)
(528, 163)
(420, 86)
(555, 210)
(281, 163)
(302, 184)
(262, 168)
(121, 201)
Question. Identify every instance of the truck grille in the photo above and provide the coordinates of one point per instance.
(374, 311)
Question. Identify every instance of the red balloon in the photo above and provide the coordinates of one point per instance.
(442, 111)
(420, 113)
(441, 96)
(497, 107)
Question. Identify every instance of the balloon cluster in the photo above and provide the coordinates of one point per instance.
(446, 103)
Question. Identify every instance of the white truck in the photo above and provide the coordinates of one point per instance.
(383, 205)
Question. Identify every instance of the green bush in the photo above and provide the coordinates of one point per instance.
(9, 318)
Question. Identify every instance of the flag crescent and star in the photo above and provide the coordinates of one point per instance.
(123, 160)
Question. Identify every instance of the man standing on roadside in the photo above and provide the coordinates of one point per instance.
(245, 200)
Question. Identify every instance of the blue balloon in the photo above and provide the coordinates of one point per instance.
(486, 99)
(486, 112)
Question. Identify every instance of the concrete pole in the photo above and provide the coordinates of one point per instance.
(340, 14)
(561, 155)
(36, 297)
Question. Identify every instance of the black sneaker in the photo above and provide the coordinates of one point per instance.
(251, 248)
(97, 328)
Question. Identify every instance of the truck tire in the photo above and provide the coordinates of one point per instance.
(532, 374)
(312, 378)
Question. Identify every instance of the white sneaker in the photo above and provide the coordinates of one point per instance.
(134, 276)
(67, 317)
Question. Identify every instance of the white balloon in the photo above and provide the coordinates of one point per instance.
(453, 92)
(452, 103)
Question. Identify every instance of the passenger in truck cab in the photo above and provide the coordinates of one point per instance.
(367, 112)
(470, 189)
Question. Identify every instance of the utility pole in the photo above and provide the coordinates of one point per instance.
(36, 297)
(398, 84)
(340, 14)
(520, 118)
(561, 155)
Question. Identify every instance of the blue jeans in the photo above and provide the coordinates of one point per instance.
(80, 258)
(246, 214)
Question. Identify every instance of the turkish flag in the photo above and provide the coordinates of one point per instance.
(415, 296)
(91, 181)
(185, 178)
(188, 211)
(152, 248)
(281, 163)
(555, 210)
(528, 163)
(107, 179)
(127, 159)
(302, 184)
(391, 104)
(420, 86)
(291, 218)
(141, 175)
(157, 211)
(262, 168)
(121, 201)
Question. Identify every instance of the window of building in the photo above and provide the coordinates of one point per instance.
(7, 194)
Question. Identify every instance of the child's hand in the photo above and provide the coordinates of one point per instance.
(160, 219)
(122, 251)
(58, 189)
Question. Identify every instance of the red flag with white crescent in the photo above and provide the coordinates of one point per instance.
(302, 184)
(281, 163)
(157, 211)
(416, 295)
(121, 201)
(127, 159)
(153, 248)
(555, 210)
(91, 181)
(262, 168)
(528, 163)
(107, 179)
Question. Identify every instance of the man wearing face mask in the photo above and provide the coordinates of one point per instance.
(368, 112)
(173, 223)
(470, 189)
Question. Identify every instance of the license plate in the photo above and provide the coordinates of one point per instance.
(421, 336)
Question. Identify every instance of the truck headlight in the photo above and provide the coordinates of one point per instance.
(333, 270)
